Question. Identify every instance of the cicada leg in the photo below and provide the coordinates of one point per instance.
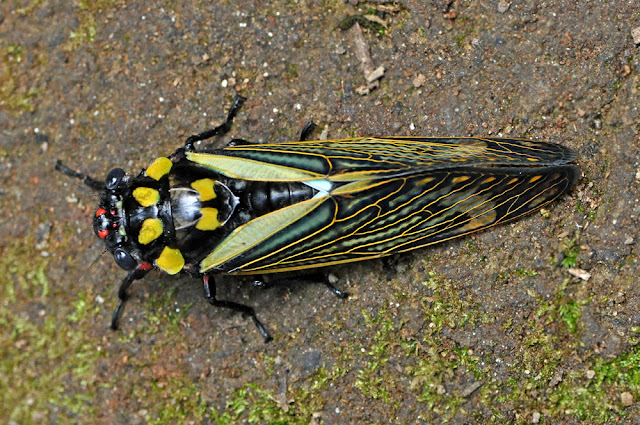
(307, 130)
(219, 130)
(136, 274)
(210, 296)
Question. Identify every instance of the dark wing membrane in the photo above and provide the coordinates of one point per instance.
(359, 158)
(371, 218)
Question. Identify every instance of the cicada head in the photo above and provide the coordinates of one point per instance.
(134, 219)
(110, 220)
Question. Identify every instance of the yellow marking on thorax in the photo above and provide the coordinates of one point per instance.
(150, 231)
(159, 168)
(205, 189)
(209, 219)
(146, 196)
(170, 260)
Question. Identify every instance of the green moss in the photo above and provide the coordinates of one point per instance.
(596, 400)
(433, 370)
(459, 39)
(46, 356)
(570, 312)
(27, 10)
(434, 360)
(372, 381)
(180, 403)
(87, 29)
(562, 307)
(15, 95)
(291, 71)
(571, 250)
(446, 308)
(85, 32)
(523, 272)
(254, 404)
(161, 317)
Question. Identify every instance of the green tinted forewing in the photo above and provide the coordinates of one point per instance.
(371, 217)
(364, 158)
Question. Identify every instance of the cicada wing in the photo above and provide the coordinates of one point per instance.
(370, 218)
(383, 157)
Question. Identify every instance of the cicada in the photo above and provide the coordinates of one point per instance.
(276, 207)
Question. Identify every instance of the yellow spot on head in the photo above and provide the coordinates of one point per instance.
(460, 179)
(146, 196)
(205, 188)
(488, 180)
(170, 260)
(534, 179)
(209, 219)
(159, 168)
(150, 231)
(513, 181)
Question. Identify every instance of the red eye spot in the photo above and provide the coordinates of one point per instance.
(145, 266)
(113, 212)
(100, 211)
(103, 234)
(114, 225)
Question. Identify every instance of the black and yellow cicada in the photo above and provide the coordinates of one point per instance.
(275, 207)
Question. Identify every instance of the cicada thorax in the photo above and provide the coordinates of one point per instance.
(208, 207)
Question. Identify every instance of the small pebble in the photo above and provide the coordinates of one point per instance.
(419, 80)
(635, 33)
(626, 398)
(503, 6)
(535, 417)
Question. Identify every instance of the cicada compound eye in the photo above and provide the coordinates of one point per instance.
(124, 259)
(114, 177)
